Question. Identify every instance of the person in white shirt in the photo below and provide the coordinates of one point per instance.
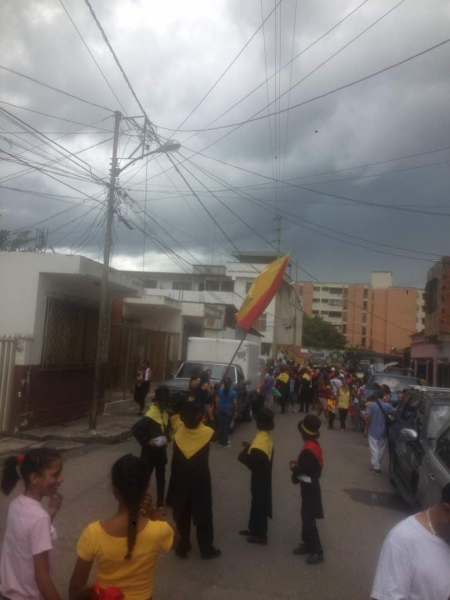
(414, 563)
(29, 534)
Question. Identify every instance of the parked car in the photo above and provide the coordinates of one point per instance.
(397, 383)
(179, 384)
(419, 445)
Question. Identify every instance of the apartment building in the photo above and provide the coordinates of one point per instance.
(376, 316)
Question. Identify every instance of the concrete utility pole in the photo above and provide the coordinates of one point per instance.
(104, 316)
(104, 310)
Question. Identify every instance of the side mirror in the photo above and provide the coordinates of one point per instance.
(409, 435)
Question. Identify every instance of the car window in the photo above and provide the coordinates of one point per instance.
(396, 384)
(240, 375)
(438, 420)
(191, 368)
(443, 448)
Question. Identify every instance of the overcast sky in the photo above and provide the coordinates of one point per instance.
(350, 144)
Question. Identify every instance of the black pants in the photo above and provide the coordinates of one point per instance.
(283, 402)
(343, 417)
(331, 418)
(305, 401)
(257, 524)
(310, 535)
(139, 396)
(160, 480)
(205, 532)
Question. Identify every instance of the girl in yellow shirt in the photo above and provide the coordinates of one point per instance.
(126, 547)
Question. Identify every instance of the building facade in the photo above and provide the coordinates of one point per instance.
(49, 306)
(211, 295)
(376, 316)
(430, 351)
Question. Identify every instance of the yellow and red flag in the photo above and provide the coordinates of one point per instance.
(261, 293)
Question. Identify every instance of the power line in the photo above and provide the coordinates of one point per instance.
(71, 156)
(91, 54)
(49, 116)
(54, 89)
(269, 185)
(303, 222)
(330, 194)
(121, 69)
(311, 45)
(324, 94)
(228, 67)
(62, 197)
(202, 204)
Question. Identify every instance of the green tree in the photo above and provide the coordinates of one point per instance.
(319, 334)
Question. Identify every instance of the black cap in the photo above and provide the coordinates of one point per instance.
(310, 425)
(265, 419)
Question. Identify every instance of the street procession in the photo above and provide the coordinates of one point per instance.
(225, 300)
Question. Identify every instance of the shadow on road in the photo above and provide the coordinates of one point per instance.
(376, 498)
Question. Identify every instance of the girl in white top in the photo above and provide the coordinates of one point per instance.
(29, 534)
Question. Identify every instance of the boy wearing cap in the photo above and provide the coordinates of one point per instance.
(307, 470)
(258, 457)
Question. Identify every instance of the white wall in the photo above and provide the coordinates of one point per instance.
(28, 279)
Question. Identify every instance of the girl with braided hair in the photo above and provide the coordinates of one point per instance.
(125, 547)
(29, 534)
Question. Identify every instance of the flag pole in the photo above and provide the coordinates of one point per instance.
(239, 346)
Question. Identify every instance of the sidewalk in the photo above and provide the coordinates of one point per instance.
(112, 427)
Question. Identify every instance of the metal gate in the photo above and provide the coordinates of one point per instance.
(8, 347)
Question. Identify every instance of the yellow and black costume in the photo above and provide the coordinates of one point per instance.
(258, 457)
(155, 456)
(190, 493)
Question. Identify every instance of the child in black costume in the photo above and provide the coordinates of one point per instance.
(306, 470)
(258, 457)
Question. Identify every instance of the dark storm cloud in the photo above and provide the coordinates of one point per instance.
(173, 53)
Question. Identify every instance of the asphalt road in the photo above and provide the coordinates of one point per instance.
(360, 508)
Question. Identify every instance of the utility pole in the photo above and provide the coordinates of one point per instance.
(104, 310)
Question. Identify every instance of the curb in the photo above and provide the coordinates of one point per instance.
(93, 438)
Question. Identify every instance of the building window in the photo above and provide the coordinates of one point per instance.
(335, 314)
(364, 318)
(248, 285)
(151, 284)
(211, 285)
(335, 302)
(366, 293)
(317, 288)
(365, 305)
(227, 286)
(363, 330)
(324, 301)
(261, 323)
(266, 348)
(344, 329)
(363, 342)
(316, 313)
(336, 291)
(182, 285)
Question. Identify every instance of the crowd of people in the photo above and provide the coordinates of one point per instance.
(125, 548)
